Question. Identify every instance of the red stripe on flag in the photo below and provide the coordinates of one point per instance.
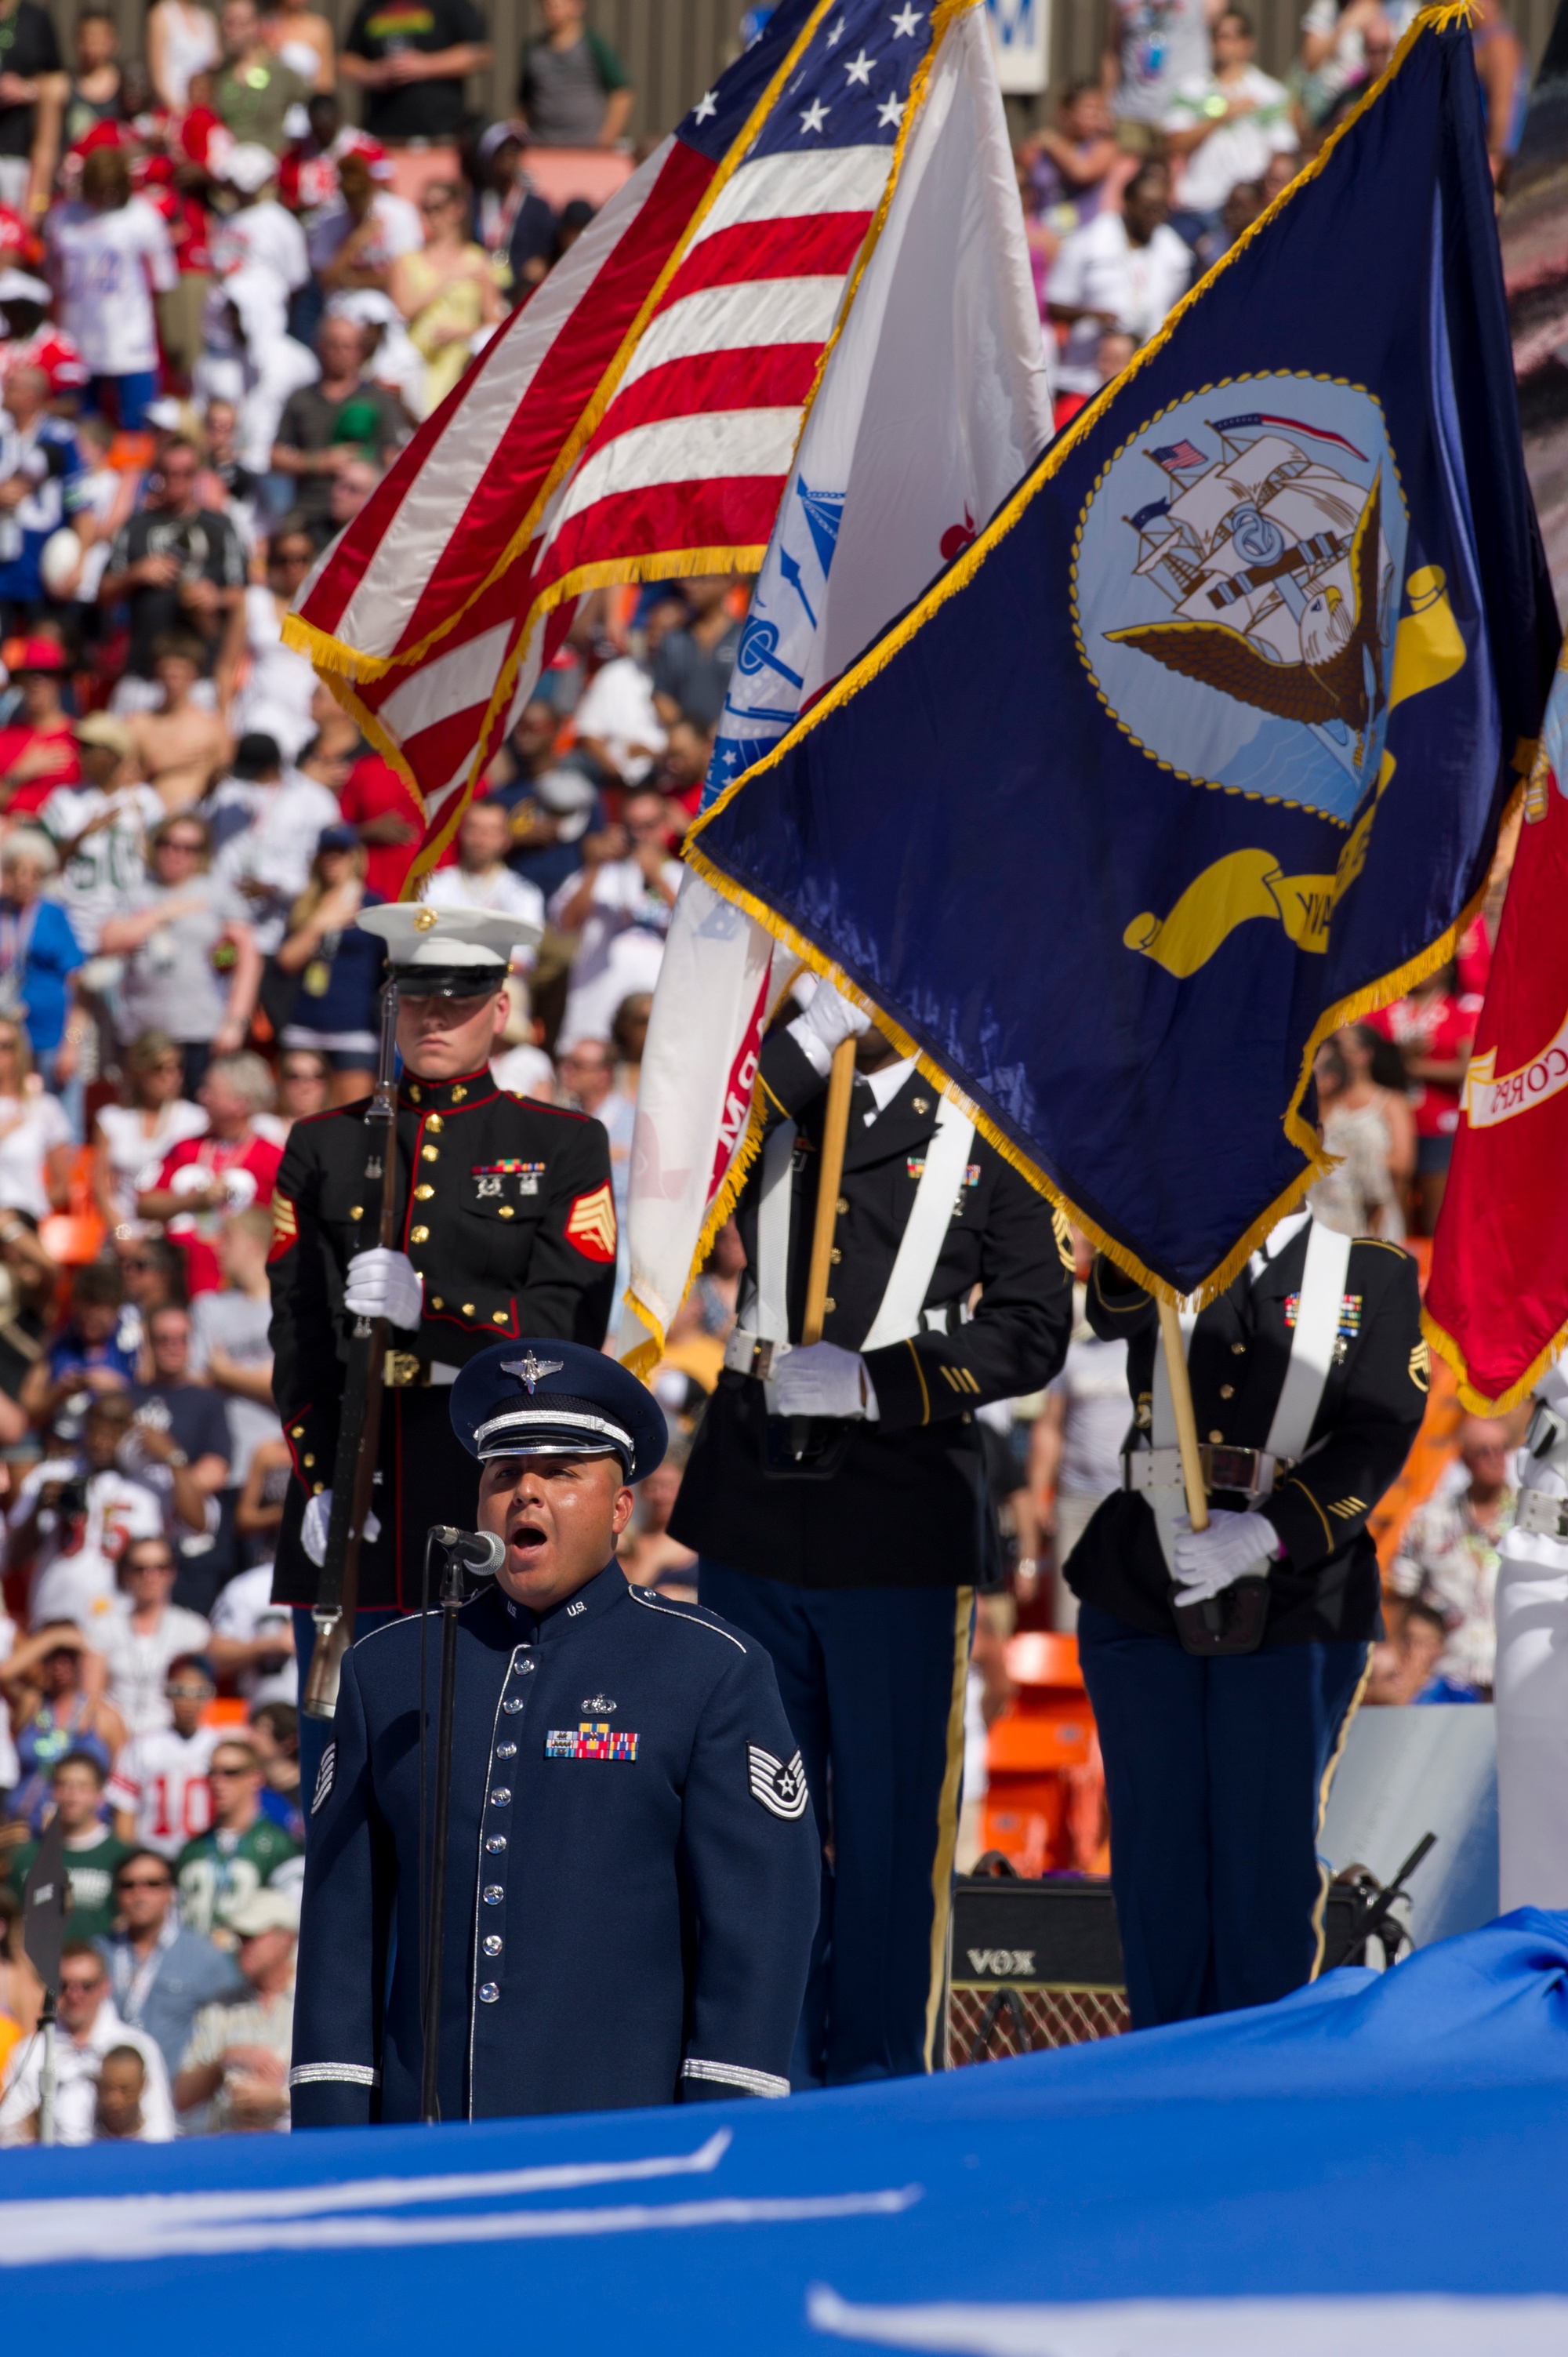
(564, 384)
(806, 246)
(761, 376)
(585, 343)
(731, 511)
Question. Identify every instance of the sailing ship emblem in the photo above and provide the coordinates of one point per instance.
(1240, 622)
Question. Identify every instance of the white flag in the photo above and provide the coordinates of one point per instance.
(934, 399)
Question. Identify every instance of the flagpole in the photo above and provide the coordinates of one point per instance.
(1185, 1421)
(835, 1133)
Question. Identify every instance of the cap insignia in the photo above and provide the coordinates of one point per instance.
(531, 1370)
(423, 919)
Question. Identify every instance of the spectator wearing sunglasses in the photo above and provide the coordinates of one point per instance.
(90, 2028)
(242, 1853)
(161, 1973)
(159, 1791)
(137, 1135)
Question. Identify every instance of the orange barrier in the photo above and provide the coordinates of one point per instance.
(1044, 1807)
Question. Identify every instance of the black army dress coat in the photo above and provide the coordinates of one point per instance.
(1326, 1588)
(633, 1875)
(908, 1504)
(504, 1208)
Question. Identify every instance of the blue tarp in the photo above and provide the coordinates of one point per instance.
(1373, 2142)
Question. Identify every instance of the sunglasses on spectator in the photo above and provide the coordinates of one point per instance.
(80, 1985)
(182, 843)
(230, 1772)
(144, 1882)
(185, 1691)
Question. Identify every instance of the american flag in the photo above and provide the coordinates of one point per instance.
(637, 419)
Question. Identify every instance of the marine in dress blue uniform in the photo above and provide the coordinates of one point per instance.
(632, 1861)
(1309, 1379)
(837, 1497)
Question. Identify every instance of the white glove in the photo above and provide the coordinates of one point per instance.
(823, 1379)
(383, 1284)
(1552, 1386)
(1232, 1546)
(825, 1024)
(313, 1529)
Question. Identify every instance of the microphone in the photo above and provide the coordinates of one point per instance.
(480, 1552)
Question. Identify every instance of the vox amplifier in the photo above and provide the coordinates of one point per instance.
(1031, 1966)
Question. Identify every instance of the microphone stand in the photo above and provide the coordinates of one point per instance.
(491, 1554)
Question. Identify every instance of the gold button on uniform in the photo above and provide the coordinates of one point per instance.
(431, 1153)
(310, 1460)
(413, 1091)
(830, 1303)
(843, 1205)
(467, 1308)
(356, 1210)
(837, 1256)
(1237, 1348)
(419, 1235)
(1227, 1391)
(498, 1317)
(297, 1432)
(505, 1211)
(1216, 1437)
(424, 1191)
(437, 1302)
(435, 1125)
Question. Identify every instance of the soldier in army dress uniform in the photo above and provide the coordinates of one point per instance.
(837, 1497)
(506, 1226)
(631, 1879)
(1309, 1379)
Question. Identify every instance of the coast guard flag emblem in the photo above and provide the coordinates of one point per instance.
(1246, 671)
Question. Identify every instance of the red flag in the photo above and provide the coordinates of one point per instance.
(1497, 1305)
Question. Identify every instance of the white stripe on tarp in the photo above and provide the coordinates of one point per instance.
(51, 2229)
(398, 574)
(376, 2232)
(1426, 2324)
(727, 318)
(774, 188)
(727, 442)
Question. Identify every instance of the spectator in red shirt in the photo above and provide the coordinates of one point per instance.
(32, 339)
(1434, 1029)
(38, 752)
(379, 806)
(205, 1178)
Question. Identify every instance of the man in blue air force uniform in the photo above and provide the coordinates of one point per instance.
(632, 1861)
(1224, 1664)
(837, 1495)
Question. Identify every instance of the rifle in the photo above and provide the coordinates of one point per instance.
(360, 1432)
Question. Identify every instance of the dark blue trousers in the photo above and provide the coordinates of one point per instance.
(315, 1734)
(873, 1685)
(1217, 1772)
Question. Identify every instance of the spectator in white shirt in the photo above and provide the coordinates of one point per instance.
(238, 2058)
(616, 721)
(74, 1515)
(90, 2028)
(160, 1791)
(140, 1641)
(253, 1639)
(265, 824)
(621, 903)
(109, 254)
(1124, 271)
(229, 1344)
(260, 234)
(132, 1142)
(1226, 126)
(99, 828)
(482, 879)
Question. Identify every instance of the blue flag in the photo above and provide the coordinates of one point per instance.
(1201, 750)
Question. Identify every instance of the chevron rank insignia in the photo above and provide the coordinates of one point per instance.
(285, 1226)
(590, 1740)
(325, 1777)
(591, 1224)
(780, 1788)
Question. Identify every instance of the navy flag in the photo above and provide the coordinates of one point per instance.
(1201, 750)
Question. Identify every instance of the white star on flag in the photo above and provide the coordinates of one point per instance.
(709, 105)
(815, 117)
(891, 110)
(903, 22)
(836, 36)
(859, 69)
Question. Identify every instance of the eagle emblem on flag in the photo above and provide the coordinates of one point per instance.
(591, 1224)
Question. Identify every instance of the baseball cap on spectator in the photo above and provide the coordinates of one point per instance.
(264, 1911)
(496, 135)
(370, 152)
(337, 838)
(102, 728)
(18, 286)
(255, 756)
(247, 167)
(21, 655)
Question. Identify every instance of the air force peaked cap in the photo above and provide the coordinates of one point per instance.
(446, 953)
(535, 1398)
